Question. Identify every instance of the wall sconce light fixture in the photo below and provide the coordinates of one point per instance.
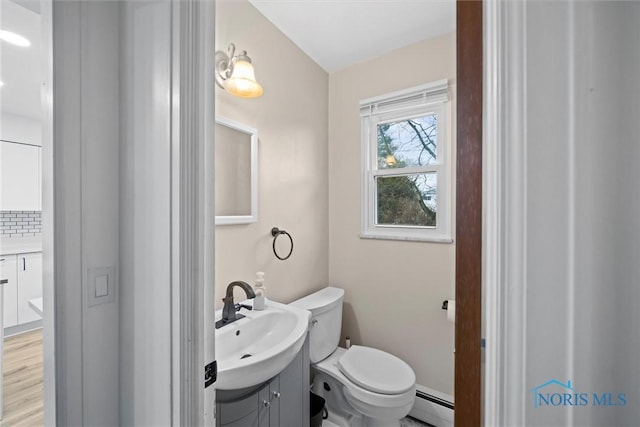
(234, 73)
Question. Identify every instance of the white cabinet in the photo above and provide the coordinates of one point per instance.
(20, 186)
(24, 273)
(8, 270)
(29, 285)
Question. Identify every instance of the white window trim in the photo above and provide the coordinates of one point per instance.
(414, 102)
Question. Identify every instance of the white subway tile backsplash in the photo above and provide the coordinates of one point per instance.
(20, 223)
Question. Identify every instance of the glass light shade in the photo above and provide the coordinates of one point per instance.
(242, 82)
(14, 39)
(390, 160)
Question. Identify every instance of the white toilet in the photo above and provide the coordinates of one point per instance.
(363, 387)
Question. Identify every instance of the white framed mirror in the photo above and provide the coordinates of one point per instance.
(236, 163)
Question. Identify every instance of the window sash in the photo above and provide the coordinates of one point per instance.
(376, 221)
(441, 193)
(373, 122)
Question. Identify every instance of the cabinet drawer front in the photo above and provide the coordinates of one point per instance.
(29, 285)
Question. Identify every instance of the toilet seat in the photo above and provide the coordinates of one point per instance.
(376, 370)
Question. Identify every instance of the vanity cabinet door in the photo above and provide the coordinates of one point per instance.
(8, 270)
(264, 409)
(274, 404)
(249, 420)
(293, 387)
(241, 412)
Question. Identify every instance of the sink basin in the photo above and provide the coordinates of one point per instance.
(258, 347)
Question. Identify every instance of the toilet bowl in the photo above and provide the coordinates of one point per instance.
(363, 386)
(369, 408)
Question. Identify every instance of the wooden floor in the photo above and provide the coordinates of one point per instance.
(22, 385)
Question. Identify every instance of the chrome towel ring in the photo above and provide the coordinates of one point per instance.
(275, 232)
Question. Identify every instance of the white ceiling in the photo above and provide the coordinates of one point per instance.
(20, 67)
(340, 33)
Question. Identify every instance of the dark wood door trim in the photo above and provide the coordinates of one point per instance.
(468, 214)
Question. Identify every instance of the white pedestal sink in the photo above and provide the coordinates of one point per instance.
(258, 347)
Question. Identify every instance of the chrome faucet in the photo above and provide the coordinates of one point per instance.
(229, 310)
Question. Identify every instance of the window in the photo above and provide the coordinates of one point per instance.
(406, 164)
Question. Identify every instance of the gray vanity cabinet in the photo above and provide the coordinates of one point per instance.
(281, 402)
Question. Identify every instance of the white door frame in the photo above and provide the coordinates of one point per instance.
(48, 259)
(192, 219)
(504, 212)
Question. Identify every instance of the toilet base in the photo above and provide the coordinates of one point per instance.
(341, 413)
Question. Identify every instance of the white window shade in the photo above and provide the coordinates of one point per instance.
(419, 96)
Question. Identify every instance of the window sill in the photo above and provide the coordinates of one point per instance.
(434, 239)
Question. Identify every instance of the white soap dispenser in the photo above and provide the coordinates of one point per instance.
(261, 290)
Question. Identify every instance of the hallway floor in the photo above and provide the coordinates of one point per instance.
(22, 385)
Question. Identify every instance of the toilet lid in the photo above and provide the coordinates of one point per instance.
(376, 371)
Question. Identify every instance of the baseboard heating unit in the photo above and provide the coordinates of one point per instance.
(433, 407)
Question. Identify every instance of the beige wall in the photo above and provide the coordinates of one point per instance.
(291, 119)
(309, 148)
(394, 289)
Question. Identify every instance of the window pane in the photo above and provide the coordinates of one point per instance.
(407, 200)
(407, 143)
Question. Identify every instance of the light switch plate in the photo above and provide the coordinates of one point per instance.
(100, 285)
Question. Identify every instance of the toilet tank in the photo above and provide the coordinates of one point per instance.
(326, 321)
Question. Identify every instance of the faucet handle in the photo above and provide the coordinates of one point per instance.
(239, 306)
